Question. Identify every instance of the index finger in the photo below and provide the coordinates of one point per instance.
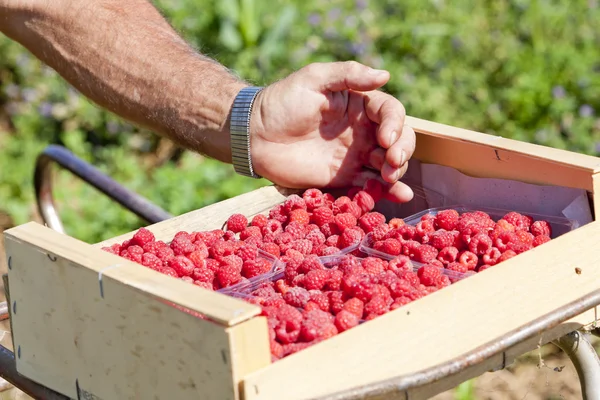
(388, 113)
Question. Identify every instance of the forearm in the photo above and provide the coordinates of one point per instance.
(125, 57)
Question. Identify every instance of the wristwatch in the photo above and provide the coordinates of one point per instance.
(239, 127)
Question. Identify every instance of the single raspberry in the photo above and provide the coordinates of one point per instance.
(272, 227)
(125, 244)
(278, 213)
(271, 248)
(471, 230)
(390, 246)
(491, 256)
(116, 248)
(518, 220)
(410, 248)
(364, 200)
(457, 267)
(333, 241)
(373, 265)
(483, 267)
(344, 221)
(335, 280)
(316, 237)
(142, 237)
(296, 229)
(524, 236)
(303, 246)
(251, 231)
(480, 244)
(182, 265)
(442, 281)
(300, 216)
(283, 238)
(259, 220)
(359, 286)
(134, 253)
(503, 239)
(441, 238)
(539, 228)
(399, 302)
(228, 275)
(321, 216)
(429, 217)
(203, 275)
(426, 253)
(247, 252)
(411, 278)
(229, 236)
(345, 320)
(374, 188)
(313, 198)
(378, 305)
(213, 264)
(317, 325)
(468, 259)
(508, 254)
(256, 267)
(400, 263)
(424, 230)
(405, 232)
(380, 232)
(354, 306)
(336, 301)
(370, 220)
(221, 249)
(448, 255)
(330, 229)
(312, 227)
(289, 322)
(504, 225)
(293, 202)
(310, 263)
(197, 258)
(540, 239)
(297, 297)
(321, 300)
(169, 271)
(311, 305)
(396, 223)
(340, 205)
(428, 275)
(232, 260)
(237, 223)
(446, 219)
(182, 246)
(350, 237)
(151, 261)
(316, 279)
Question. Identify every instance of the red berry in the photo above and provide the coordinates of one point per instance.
(364, 200)
(378, 305)
(354, 306)
(541, 239)
(447, 219)
(151, 261)
(423, 230)
(321, 300)
(203, 275)
(335, 280)
(425, 253)
(205, 285)
(259, 220)
(142, 237)
(182, 246)
(400, 264)
(480, 244)
(228, 275)
(221, 249)
(247, 252)
(271, 248)
(237, 223)
(491, 256)
(441, 239)
(304, 246)
(317, 324)
(410, 248)
(517, 220)
(344, 221)
(300, 215)
(197, 258)
(258, 266)
(380, 232)
(468, 259)
(336, 301)
(251, 231)
(457, 267)
(293, 202)
(297, 297)
(316, 279)
(448, 255)
(370, 220)
(539, 228)
(428, 275)
(373, 266)
(169, 271)
(316, 237)
(350, 237)
(278, 213)
(374, 188)
(181, 265)
(313, 198)
(296, 229)
(506, 255)
(289, 322)
(503, 239)
(345, 320)
(272, 227)
(389, 246)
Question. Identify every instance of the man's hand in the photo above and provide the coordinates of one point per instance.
(327, 126)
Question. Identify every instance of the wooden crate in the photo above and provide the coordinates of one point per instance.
(90, 324)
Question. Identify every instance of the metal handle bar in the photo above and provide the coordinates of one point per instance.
(132, 201)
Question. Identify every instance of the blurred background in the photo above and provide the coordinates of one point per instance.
(528, 70)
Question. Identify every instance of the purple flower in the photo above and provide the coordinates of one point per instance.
(29, 95)
(586, 111)
(45, 109)
(559, 92)
(314, 19)
(358, 49)
(334, 14)
(362, 4)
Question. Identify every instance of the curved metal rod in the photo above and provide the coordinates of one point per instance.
(132, 201)
(400, 385)
(8, 371)
(585, 359)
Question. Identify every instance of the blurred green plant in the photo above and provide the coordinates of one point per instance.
(528, 70)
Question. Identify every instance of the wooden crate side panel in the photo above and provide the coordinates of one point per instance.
(219, 308)
(115, 344)
(514, 147)
(212, 216)
(443, 325)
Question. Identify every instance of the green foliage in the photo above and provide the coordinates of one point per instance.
(465, 391)
(528, 70)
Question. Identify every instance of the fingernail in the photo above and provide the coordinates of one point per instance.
(393, 137)
(376, 71)
(402, 158)
(397, 175)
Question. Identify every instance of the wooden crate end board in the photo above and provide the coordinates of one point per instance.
(119, 344)
(220, 308)
(473, 312)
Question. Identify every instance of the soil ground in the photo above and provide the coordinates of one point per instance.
(527, 379)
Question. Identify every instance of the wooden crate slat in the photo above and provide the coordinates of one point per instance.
(443, 325)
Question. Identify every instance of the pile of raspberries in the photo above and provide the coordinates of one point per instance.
(320, 265)
(471, 241)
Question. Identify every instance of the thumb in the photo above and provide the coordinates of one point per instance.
(347, 75)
